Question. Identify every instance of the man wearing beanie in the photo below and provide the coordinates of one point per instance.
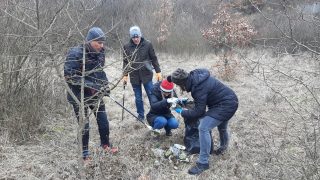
(161, 99)
(95, 86)
(139, 60)
(221, 102)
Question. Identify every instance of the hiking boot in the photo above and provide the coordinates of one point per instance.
(220, 151)
(110, 149)
(198, 168)
(85, 154)
(168, 133)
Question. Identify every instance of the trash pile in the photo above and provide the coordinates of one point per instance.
(176, 151)
(175, 154)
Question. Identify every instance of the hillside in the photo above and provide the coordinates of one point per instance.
(271, 136)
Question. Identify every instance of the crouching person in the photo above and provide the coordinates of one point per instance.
(161, 99)
(95, 86)
(221, 101)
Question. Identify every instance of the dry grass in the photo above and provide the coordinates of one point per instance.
(273, 134)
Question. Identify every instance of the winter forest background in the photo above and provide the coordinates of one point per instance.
(266, 50)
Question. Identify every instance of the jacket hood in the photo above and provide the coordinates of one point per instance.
(196, 77)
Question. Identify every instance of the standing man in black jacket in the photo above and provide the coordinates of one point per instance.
(221, 102)
(139, 60)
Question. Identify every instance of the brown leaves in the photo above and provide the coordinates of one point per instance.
(229, 29)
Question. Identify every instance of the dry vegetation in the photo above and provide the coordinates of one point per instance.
(274, 134)
(270, 140)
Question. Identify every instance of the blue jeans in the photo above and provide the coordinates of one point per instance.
(206, 125)
(168, 124)
(138, 96)
(103, 124)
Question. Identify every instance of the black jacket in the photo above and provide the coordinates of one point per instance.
(139, 61)
(159, 105)
(209, 92)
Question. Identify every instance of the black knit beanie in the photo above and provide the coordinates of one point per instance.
(179, 77)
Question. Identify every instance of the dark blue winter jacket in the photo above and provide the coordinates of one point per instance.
(159, 105)
(95, 78)
(209, 92)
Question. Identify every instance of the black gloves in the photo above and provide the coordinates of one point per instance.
(105, 90)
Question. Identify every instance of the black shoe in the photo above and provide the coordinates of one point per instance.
(198, 168)
(168, 133)
(220, 151)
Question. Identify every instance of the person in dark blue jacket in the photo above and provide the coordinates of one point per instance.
(95, 85)
(161, 99)
(221, 102)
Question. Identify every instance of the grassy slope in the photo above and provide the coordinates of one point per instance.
(265, 135)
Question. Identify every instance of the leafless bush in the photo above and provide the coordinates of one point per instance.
(290, 130)
(32, 39)
(290, 28)
(292, 81)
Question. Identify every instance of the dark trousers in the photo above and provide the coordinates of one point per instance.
(102, 121)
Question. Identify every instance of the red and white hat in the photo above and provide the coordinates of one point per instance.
(166, 86)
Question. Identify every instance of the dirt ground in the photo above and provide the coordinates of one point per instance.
(273, 136)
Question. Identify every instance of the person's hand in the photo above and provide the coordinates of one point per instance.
(106, 90)
(125, 80)
(183, 101)
(172, 100)
(178, 110)
(158, 76)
